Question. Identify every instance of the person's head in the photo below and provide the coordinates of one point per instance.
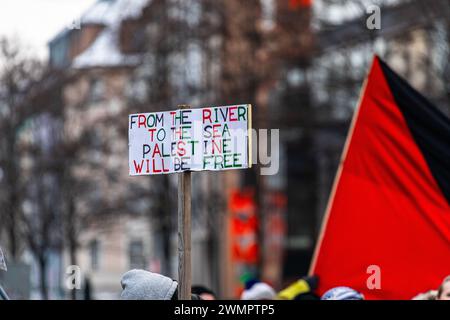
(145, 285)
(444, 290)
(258, 291)
(203, 292)
(429, 295)
(342, 293)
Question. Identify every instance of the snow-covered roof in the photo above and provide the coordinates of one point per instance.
(112, 12)
(105, 50)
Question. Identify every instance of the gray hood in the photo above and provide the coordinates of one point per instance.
(144, 285)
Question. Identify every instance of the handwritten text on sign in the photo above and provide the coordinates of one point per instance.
(213, 138)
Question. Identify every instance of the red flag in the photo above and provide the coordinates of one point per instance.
(295, 4)
(389, 207)
(244, 225)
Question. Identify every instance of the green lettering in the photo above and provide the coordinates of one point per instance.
(241, 113)
(235, 159)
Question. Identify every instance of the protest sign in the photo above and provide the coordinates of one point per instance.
(185, 140)
(211, 138)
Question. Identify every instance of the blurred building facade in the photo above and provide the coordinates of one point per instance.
(106, 64)
(299, 80)
(112, 223)
(300, 63)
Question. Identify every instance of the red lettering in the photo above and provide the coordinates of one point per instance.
(152, 132)
(216, 133)
(178, 132)
(138, 168)
(156, 151)
(141, 120)
(216, 146)
(231, 114)
(181, 149)
(154, 167)
(173, 113)
(206, 115)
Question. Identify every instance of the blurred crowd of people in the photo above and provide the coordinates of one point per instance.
(145, 285)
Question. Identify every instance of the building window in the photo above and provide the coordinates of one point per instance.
(94, 252)
(136, 254)
(97, 89)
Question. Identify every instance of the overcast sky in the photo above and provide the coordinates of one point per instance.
(35, 22)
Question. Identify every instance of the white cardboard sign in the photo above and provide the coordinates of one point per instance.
(212, 138)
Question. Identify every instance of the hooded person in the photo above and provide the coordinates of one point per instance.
(256, 290)
(145, 285)
(342, 293)
(203, 292)
(443, 292)
(429, 295)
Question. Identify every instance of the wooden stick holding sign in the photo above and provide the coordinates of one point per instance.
(185, 140)
(184, 233)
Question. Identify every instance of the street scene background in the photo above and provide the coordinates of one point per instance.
(66, 196)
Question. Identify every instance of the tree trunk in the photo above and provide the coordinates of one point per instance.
(12, 207)
(166, 228)
(43, 277)
(73, 261)
(72, 238)
(12, 236)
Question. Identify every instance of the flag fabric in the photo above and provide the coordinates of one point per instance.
(386, 231)
(296, 4)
